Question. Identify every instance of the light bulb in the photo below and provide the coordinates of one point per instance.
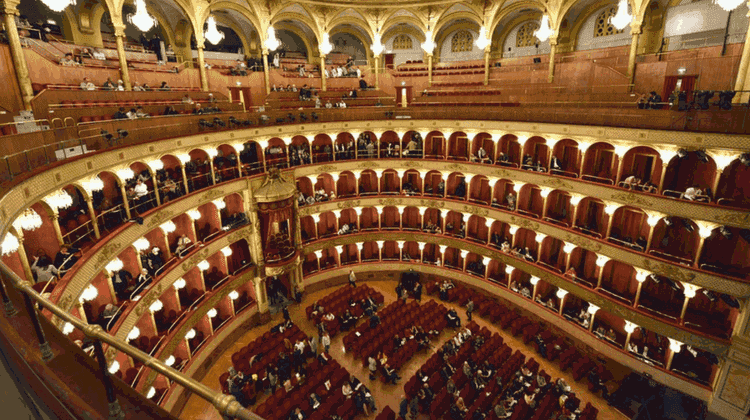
(675, 345)
(141, 244)
(544, 30)
(156, 165)
(170, 361)
(234, 295)
(190, 334)
(179, 283)
(114, 367)
(488, 222)
(156, 306)
(67, 328)
(630, 327)
(539, 237)
(212, 313)
(203, 265)
(592, 309)
(168, 227)
(319, 254)
(534, 280)
(227, 251)
(10, 244)
(134, 333)
(509, 269)
(421, 245)
(220, 204)
(442, 248)
(601, 260)
(194, 214)
(513, 229)
(568, 247)
(561, 293)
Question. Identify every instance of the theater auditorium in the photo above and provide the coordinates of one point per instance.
(388, 210)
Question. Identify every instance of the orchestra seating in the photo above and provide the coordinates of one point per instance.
(338, 302)
(290, 100)
(395, 319)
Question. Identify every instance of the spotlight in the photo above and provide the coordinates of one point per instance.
(702, 155)
(726, 232)
(682, 153)
(745, 159)
(725, 99)
(710, 295)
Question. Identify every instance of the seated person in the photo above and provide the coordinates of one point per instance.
(694, 194)
(67, 60)
(108, 85)
(120, 114)
(631, 182)
(183, 243)
(65, 259)
(87, 85)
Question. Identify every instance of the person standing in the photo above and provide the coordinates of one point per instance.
(469, 309)
(326, 342)
(352, 279)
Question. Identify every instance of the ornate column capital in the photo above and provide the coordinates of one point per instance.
(9, 7)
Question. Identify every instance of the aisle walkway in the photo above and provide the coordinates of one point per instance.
(198, 409)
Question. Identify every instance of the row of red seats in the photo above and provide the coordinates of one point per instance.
(126, 104)
(269, 345)
(464, 92)
(555, 347)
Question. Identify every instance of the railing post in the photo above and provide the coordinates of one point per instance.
(44, 346)
(28, 162)
(10, 310)
(115, 411)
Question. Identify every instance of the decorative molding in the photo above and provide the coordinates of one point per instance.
(679, 272)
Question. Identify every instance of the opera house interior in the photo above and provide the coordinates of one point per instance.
(412, 210)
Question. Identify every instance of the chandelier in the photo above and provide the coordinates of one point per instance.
(59, 200)
(10, 244)
(325, 46)
(58, 6)
(94, 184)
(29, 220)
(544, 30)
(213, 35)
(271, 41)
(428, 45)
(622, 18)
(728, 5)
(141, 19)
(482, 42)
(377, 46)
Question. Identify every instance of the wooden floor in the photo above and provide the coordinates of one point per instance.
(198, 409)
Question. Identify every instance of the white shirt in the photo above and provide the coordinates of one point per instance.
(88, 86)
(140, 190)
(300, 346)
(690, 193)
(326, 341)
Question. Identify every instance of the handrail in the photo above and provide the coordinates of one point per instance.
(226, 404)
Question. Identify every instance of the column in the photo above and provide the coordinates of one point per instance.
(298, 227)
(156, 186)
(55, 217)
(184, 177)
(120, 39)
(377, 70)
(323, 76)
(379, 210)
(92, 215)
(125, 202)
(638, 294)
(487, 66)
(429, 69)
(552, 48)
(486, 261)
(336, 215)
(316, 219)
(202, 68)
(44, 346)
(24, 259)
(16, 51)
(635, 33)
(213, 171)
(266, 73)
(742, 72)
(464, 254)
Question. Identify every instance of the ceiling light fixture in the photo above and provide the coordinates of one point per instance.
(428, 45)
(58, 6)
(271, 41)
(482, 40)
(325, 45)
(213, 34)
(622, 18)
(544, 30)
(141, 19)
